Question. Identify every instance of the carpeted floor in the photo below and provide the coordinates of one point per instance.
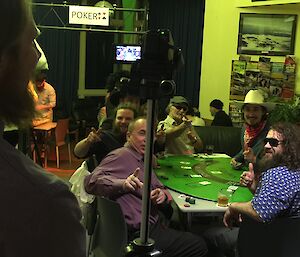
(66, 169)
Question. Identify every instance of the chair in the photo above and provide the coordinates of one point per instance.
(61, 138)
(224, 139)
(279, 238)
(110, 235)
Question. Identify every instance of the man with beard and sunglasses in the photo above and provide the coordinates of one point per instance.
(39, 215)
(275, 182)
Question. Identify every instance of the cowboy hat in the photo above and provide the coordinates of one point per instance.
(255, 97)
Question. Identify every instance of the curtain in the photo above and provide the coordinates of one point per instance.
(184, 18)
(61, 48)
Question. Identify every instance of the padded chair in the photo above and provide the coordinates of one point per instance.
(61, 139)
(224, 139)
(280, 238)
(110, 235)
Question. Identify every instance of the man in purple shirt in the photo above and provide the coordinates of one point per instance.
(120, 177)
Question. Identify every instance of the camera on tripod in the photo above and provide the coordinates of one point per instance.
(153, 64)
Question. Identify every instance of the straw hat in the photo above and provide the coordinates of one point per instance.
(256, 97)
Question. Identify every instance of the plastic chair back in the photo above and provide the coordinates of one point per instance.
(110, 235)
(61, 131)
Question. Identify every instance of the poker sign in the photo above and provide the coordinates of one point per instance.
(87, 15)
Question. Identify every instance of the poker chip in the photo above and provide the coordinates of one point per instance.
(192, 200)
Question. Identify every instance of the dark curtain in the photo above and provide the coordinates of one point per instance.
(61, 48)
(185, 21)
(99, 59)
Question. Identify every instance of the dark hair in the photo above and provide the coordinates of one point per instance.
(193, 111)
(291, 144)
(125, 106)
(216, 103)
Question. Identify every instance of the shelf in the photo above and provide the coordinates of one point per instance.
(249, 3)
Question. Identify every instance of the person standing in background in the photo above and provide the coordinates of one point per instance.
(221, 118)
(46, 99)
(40, 216)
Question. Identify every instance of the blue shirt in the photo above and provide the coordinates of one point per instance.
(277, 194)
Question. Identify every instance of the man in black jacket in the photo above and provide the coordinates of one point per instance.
(220, 117)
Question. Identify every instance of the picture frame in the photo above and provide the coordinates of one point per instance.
(267, 34)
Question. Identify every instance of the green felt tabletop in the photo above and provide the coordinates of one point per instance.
(201, 176)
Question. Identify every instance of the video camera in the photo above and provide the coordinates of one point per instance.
(153, 64)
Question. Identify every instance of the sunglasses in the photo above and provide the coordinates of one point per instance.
(180, 107)
(272, 141)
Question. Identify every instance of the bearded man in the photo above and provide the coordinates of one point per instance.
(39, 215)
(277, 182)
(100, 142)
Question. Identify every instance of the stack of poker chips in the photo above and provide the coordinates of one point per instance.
(190, 200)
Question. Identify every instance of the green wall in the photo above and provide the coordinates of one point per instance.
(221, 25)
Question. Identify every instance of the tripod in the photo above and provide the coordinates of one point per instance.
(144, 246)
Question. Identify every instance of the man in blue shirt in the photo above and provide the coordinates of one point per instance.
(277, 185)
(275, 182)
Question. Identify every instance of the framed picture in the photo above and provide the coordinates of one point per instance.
(267, 34)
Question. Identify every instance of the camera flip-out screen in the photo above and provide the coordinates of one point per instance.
(128, 53)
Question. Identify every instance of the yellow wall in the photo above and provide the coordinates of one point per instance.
(221, 23)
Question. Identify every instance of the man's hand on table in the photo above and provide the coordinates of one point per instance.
(235, 164)
(158, 196)
(247, 177)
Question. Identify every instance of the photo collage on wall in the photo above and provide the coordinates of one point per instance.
(276, 79)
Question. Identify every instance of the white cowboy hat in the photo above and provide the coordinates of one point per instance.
(255, 97)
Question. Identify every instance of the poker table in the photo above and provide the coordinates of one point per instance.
(201, 176)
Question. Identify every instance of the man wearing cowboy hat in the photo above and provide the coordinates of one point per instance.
(255, 128)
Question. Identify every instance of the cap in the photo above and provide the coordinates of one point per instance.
(179, 100)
